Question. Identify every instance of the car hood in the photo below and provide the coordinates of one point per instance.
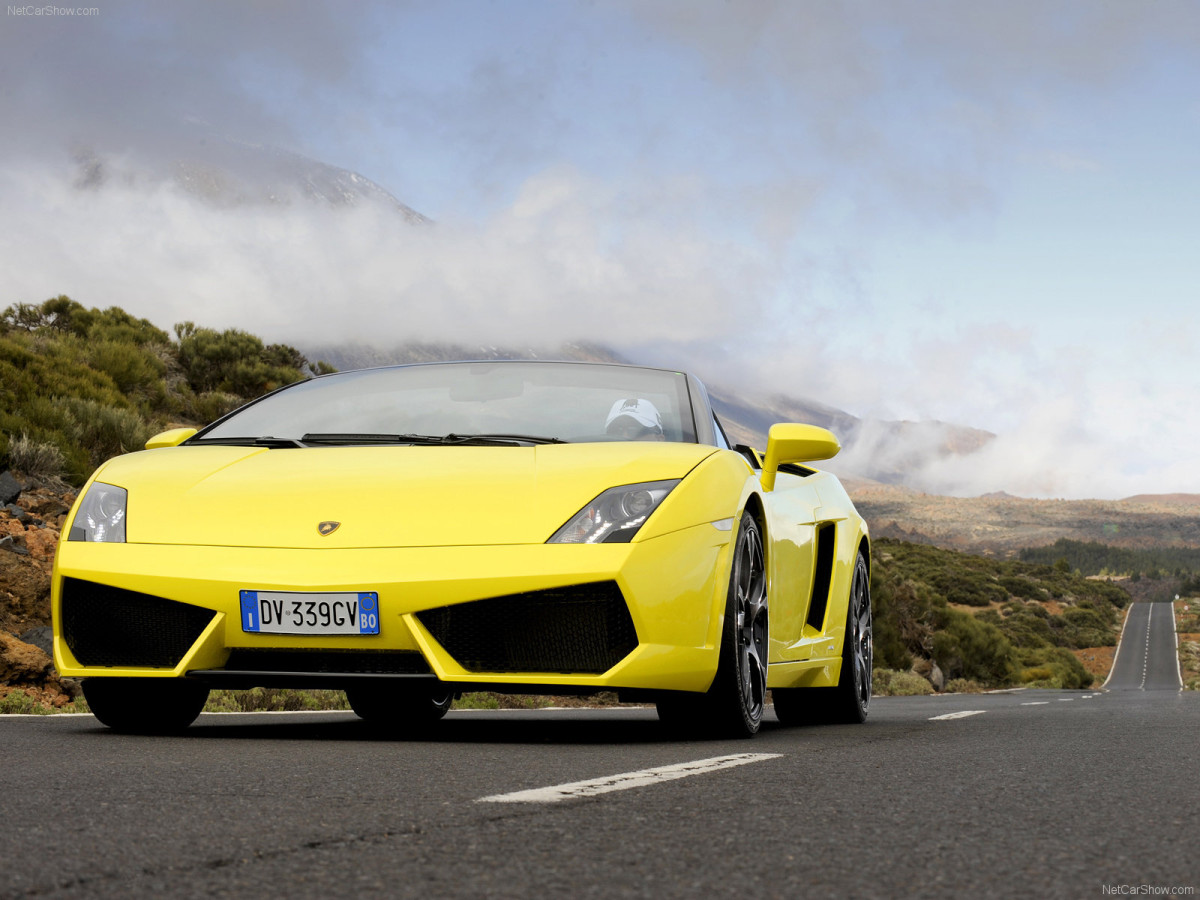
(408, 496)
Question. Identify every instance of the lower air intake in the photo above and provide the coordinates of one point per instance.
(584, 629)
(108, 626)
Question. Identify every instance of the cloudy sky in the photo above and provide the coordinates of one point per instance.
(984, 213)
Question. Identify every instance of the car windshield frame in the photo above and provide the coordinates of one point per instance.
(493, 402)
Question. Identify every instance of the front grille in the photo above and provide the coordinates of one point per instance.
(584, 629)
(108, 626)
(329, 662)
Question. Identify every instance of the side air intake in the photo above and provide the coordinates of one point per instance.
(822, 574)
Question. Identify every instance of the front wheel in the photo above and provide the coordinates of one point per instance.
(145, 705)
(851, 699)
(734, 704)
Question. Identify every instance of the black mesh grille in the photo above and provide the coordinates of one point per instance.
(108, 626)
(583, 629)
(329, 662)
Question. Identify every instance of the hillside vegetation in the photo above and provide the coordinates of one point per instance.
(988, 621)
(1094, 558)
(79, 385)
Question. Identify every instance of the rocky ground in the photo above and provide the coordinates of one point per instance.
(32, 513)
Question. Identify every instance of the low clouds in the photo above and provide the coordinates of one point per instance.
(551, 267)
(697, 184)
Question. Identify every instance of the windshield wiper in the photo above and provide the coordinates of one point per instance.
(348, 438)
(263, 441)
(433, 439)
(500, 439)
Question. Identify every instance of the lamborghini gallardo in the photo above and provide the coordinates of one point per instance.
(410, 533)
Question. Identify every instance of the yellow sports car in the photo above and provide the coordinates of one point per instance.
(412, 532)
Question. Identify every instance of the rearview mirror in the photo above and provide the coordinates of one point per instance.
(792, 443)
(172, 438)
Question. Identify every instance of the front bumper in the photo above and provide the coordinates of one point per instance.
(646, 614)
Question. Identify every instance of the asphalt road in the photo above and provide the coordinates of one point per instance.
(1029, 793)
(1147, 659)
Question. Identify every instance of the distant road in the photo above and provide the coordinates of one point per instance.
(1147, 657)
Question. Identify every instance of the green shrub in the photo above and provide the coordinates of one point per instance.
(211, 405)
(133, 368)
(1029, 628)
(892, 683)
(262, 699)
(964, 686)
(17, 702)
(1085, 628)
(103, 431)
(38, 459)
(1054, 667)
(967, 648)
(235, 362)
(1024, 587)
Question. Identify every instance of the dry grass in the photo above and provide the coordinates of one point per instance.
(1097, 660)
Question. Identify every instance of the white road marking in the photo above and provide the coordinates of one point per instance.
(1146, 661)
(1120, 641)
(959, 715)
(627, 780)
(1066, 699)
(1037, 703)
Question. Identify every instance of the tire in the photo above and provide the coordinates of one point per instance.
(850, 701)
(385, 704)
(734, 704)
(145, 705)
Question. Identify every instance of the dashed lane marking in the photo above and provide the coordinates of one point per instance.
(959, 715)
(627, 780)
(1037, 703)
(1146, 660)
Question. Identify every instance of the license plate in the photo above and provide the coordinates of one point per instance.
(279, 612)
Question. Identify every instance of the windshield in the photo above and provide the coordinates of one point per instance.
(559, 401)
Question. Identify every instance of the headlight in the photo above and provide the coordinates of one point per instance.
(615, 516)
(101, 515)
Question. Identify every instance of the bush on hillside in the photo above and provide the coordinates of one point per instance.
(92, 383)
(966, 647)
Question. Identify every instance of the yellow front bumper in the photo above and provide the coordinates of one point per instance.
(674, 586)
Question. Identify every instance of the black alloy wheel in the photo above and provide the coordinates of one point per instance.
(734, 704)
(748, 587)
(860, 649)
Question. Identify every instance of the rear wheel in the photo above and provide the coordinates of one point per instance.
(392, 705)
(734, 704)
(145, 705)
(851, 699)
